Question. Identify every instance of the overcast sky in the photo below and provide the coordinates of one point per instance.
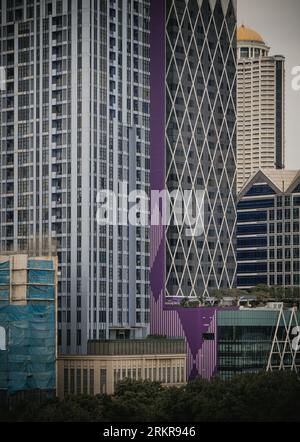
(278, 21)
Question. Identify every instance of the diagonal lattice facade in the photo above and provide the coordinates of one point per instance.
(285, 354)
(201, 141)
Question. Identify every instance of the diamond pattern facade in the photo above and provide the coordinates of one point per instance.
(201, 141)
(284, 354)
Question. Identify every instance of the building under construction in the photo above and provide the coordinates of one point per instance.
(28, 288)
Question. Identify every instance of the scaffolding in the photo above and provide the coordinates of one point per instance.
(28, 294)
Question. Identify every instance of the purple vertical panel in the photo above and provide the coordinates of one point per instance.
(157, 134)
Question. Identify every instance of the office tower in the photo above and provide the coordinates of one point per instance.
(75, 120)
(260, 106)
(193, 147)
(28, 289)
(268, 230)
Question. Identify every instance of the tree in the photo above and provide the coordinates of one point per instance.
(264, 397)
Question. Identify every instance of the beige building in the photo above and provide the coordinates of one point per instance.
(260, 107)
(108, 362)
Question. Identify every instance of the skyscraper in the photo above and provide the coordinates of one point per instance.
(193, 147)
(75, 120)
(260, 106)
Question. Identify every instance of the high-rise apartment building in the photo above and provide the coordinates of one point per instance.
(75, 120)
(260, 106)
(193, 147)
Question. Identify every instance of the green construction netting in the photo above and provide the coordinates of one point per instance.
(40, 279)
(40, 292)
(28, 361)
(4, 294)
(4, 274)
(40, 264)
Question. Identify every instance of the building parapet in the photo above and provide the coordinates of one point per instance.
(137, 347)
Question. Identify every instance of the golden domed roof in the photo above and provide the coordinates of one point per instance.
(248, 34)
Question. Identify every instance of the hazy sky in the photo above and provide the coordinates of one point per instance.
(278, 21)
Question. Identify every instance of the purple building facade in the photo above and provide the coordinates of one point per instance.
(212, 24)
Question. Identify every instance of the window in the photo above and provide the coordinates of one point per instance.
(244, 52)
(103, 380)
(78, 337)
(78, 381)
(66, 381)
(85, 381)
(91, 382)
(72, 381)
(68, 338)
(59, 7)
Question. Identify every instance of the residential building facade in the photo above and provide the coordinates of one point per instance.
(260, 106)
(75, 120)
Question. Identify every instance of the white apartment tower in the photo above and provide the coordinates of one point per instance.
(260, 107)
(75, 120)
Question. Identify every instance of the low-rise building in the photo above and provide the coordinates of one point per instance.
(252, 340)
(109, 362)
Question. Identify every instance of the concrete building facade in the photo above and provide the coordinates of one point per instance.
(108, 363)
(75, 120)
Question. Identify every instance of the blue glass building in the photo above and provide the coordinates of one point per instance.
(268, 234)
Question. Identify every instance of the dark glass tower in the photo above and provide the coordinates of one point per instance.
(200, 141)
(193, 147)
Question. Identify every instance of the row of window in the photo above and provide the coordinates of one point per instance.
(272, 280)
(82, 381)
